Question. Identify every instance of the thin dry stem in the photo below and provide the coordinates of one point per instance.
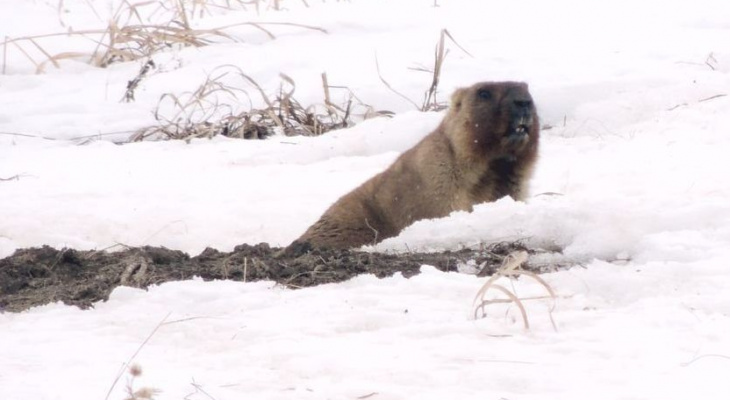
(5, 54)
(429, 98)
(129, 361)
(511, 269)
(404, 97)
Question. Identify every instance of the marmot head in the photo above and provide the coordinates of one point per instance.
(498, 118)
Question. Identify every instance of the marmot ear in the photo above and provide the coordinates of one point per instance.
(457, 98)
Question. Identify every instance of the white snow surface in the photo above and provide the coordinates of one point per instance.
(632, 184)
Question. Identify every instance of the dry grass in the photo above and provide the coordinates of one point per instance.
(12, 178)
(511, 269)
(429, 98)
(717, 96)
(430, 102)
(134, 83)
(256, 5)
(212, 109)
(129, 36)
(209, 110)
(135, 370)
(143, 393)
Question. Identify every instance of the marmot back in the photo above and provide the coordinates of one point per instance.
(484, 149)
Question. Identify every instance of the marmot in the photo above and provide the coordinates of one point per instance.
(484, 149)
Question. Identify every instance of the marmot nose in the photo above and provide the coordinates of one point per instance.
(523, 103)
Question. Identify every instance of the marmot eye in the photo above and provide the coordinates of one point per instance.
(484, 94)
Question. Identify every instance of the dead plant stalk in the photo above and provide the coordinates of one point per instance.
(511, 269)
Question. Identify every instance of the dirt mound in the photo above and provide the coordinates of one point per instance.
(37, 276)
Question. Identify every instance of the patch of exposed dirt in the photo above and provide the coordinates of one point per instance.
(37, 276)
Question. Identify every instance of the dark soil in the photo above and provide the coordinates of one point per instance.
(37, 276)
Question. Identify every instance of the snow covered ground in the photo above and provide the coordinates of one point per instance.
(638, 154)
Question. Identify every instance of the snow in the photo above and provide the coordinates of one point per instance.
(632, 184)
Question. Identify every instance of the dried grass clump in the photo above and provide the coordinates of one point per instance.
(511, 269)
(210, 110)
(129, 36)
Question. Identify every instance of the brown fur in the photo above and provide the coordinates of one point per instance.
(475, 155)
